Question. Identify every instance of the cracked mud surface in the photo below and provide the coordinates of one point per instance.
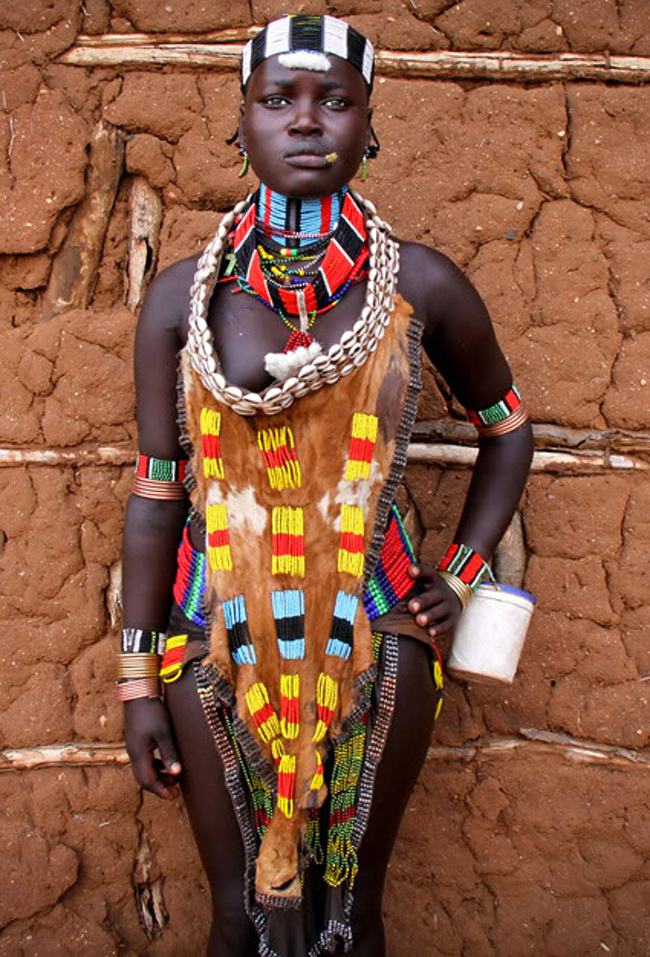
(541, 193)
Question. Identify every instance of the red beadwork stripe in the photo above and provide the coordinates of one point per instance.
(326, 214)
(244, 228)
(255, 275)
(211, 446)
(286, 544)
(362, 450)
(448, 556)
(172, 657)
(341, 815)
(351, 542)
(396, 561)
(262, 714)
(352, 214)
(472, 568)
(218, 538)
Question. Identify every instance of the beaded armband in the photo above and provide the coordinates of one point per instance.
(464, 563)
(504, 416)
(159, 478)
(142, 641)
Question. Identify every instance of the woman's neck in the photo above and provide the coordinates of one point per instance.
(278, 216)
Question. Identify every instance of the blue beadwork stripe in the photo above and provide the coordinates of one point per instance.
(289, 613)
(310, 213)
(340, 648)
(241, 648)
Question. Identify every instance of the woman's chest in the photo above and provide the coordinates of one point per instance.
(244, 331)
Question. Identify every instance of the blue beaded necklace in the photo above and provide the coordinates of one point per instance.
(297, 222)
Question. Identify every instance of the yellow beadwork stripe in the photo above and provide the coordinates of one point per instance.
(288, 556)
(363, 436)
(318, 776)
(286, 784)
(350, 554)
(327, 699)
(261, 711)
(277, 748)
(290, 706)
(278, 450)
(210, 423)
(218, 541)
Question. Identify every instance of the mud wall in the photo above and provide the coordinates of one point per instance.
(529, 830)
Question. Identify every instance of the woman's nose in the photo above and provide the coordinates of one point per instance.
(305, 119)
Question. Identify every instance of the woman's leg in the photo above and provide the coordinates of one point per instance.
(213, 821)
(217, 833)
(403, 757)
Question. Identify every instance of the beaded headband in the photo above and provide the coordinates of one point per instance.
(303, 39)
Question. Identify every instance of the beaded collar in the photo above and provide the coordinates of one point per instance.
(297, 222)
(344, 254)
(352, 350)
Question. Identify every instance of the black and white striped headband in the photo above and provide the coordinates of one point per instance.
(303, 40)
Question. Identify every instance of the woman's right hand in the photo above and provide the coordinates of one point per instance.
(146, 728)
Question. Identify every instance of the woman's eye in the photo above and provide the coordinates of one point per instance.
(275, 100)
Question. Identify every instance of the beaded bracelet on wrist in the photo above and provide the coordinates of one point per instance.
(161, 479)
(465, 564)
(504, 416)
(144, 641)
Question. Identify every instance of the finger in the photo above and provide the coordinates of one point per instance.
(426, 600)
(433, 616)
(422, 570)
(145, 773)
(158, 783)
(442, 627)
(169, 755)
(170, 780)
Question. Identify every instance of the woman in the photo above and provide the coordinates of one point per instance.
(295, 729)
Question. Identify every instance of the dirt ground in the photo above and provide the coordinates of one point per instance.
(529, 830)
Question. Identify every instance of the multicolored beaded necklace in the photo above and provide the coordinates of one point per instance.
(299, 258)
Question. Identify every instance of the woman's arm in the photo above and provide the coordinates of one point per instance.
(460, 341)
(152, 527)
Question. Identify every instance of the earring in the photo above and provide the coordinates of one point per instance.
(364, 166)
(245, 163)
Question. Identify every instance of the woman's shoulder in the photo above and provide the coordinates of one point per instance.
(434, 285)
(427, 270)
(168, 295)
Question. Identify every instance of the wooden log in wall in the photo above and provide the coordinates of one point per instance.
(139, 49)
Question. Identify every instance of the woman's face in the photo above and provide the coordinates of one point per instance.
(292, 119)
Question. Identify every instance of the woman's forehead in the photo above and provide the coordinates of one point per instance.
(339, 75)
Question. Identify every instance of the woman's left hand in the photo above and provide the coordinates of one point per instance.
(436, 608)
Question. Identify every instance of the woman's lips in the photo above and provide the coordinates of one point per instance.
(307, 160)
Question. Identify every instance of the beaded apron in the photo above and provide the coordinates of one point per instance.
(294, 507)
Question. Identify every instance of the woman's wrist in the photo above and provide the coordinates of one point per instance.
(138, 663)
(463, 569)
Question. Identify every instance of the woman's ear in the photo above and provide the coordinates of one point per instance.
(369, 131)
(373, 145)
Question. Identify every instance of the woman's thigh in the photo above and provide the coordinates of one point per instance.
(214, 823)
(210, 811)
(403, 757)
